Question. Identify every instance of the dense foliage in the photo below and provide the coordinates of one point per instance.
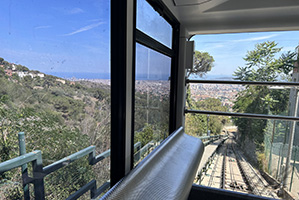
(197, 125)
(59, 117)
(203, 63)
(151, 118)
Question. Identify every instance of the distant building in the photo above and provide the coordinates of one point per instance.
(40, 75)
(61, 81)
(38, 88)
(22, 74)
(8, 72)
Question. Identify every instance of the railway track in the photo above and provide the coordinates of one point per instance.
(230, 170)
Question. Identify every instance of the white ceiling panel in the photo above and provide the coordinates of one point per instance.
(228, 16)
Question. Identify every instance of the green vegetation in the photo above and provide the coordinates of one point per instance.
(151, 116)
(59, 117)
(262, 64)
(144, 136)
(196, 124)
(203, 63)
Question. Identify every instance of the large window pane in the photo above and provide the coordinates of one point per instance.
(152, 91)
(264, 57)
(55, 87)
(151, 23)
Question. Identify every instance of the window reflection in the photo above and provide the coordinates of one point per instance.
(152, 91)
(151, 23)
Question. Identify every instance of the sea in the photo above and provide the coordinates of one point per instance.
(92, 75)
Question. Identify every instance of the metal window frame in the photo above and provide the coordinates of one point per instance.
(174, 79)
(257, 83)
(124, 33)
(123, 17)
(172, 52)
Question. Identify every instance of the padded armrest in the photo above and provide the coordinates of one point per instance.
(166, 173)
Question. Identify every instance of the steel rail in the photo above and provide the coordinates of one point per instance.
(249, 177)
(213, 171)
(258, 184)
(222, 185)
(244, 115)
(232, 175)
(242, 171)
(286, 85)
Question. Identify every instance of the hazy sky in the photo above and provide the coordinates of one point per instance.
(74, 35)
(229, 50)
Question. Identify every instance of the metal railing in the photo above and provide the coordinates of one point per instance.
(209, 139)
(285, 85)
(257, 83)
(39, 172)
(246, 115)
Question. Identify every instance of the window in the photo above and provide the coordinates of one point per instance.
(267, 61)
(152, 95)
(155, 65)
(55, 87)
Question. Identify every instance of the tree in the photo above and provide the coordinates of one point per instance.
(262, 64)
(196, 124)
(2, 72)
(144, 136)
(203, 63)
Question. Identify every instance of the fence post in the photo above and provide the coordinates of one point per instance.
(22, 150)
(137, 156)
(138, 153)
(38, 175)
(278, 163)
(271, 146)
(293, 170)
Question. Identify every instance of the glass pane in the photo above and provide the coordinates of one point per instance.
(264, 144)
(252, 149)
(230, 50)
(151, 23)
(152, 93)
(239, 98)
(55, 86)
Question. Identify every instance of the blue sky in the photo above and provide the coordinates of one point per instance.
(229, 50)
(74, 36)
(56, 35)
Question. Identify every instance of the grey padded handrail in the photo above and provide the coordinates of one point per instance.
(166, 173)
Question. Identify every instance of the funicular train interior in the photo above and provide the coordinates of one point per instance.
(138, 30)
